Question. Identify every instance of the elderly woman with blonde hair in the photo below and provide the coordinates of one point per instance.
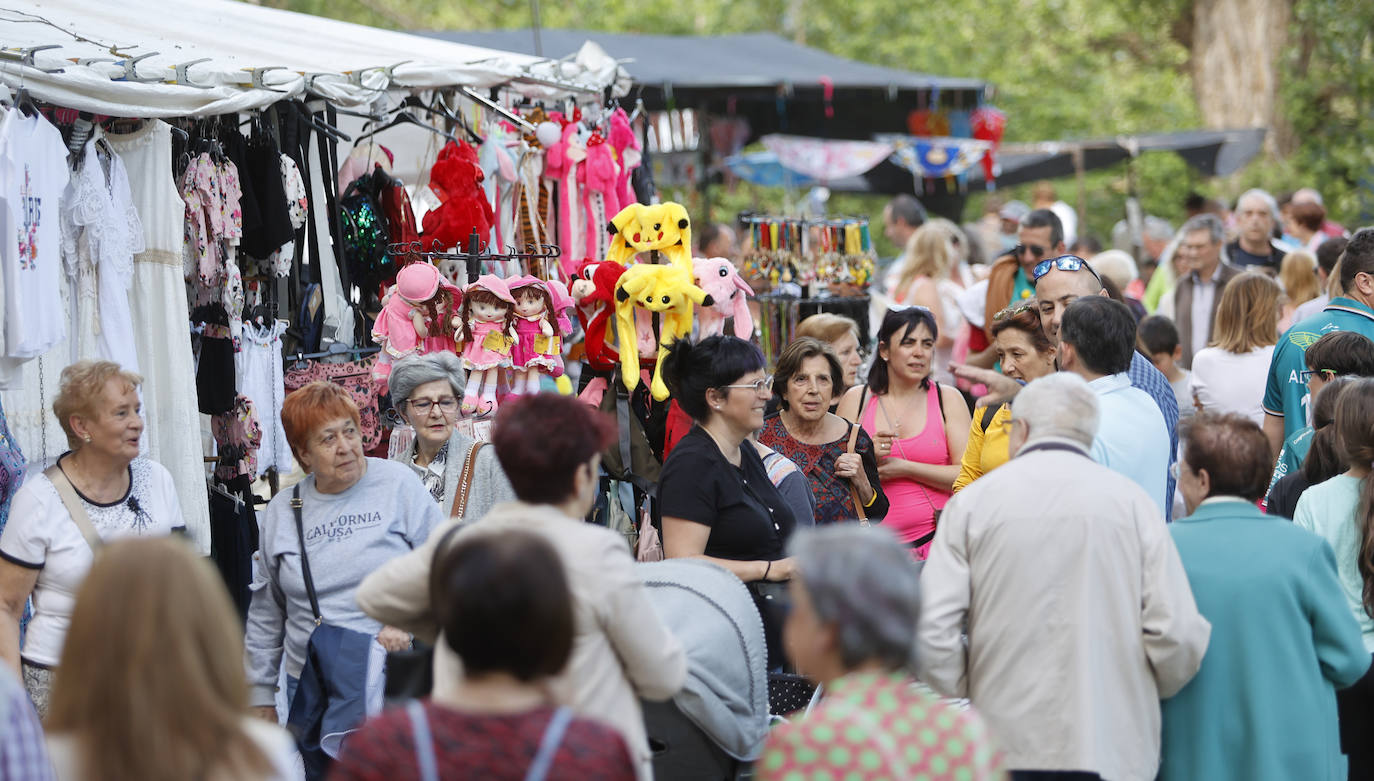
(98, 491)
(425, 390)
(127, 708)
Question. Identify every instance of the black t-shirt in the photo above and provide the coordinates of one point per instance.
(1243, 259)
(1283, 497)
(749, 519)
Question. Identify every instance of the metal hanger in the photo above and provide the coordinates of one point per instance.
(405, 118)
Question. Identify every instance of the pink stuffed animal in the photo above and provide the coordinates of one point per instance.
(729, 295)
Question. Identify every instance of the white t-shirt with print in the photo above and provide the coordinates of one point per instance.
(41, 535)
(33, 168)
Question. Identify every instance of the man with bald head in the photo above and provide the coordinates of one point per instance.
(1059, 282)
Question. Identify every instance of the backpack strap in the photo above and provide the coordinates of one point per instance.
(548, 745)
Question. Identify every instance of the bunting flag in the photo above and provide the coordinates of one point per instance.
(936, 157)
(827, 160)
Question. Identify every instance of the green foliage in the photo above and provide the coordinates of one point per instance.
(1062, 69)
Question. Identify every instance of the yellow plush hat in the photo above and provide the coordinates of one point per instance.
(667, 290)
(639, 228)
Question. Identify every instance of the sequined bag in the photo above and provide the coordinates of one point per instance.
(365, 233)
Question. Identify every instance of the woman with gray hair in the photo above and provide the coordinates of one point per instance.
(425, 390)
(852, 629)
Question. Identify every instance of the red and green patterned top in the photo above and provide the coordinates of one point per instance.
(881, 726)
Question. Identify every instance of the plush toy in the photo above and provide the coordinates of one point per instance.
(415, 312)
(729, 294)
(664, 227)
(626, 145)
(667, 290)
(486, 331)
(456, 179)
(594, 291)
(598, 177)
(539, 345)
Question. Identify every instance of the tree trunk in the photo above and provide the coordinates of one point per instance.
(1236, 50)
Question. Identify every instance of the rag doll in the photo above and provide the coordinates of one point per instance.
(540, 345)
(401, 326)
(486, 332)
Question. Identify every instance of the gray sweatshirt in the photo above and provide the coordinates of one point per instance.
(347, 536)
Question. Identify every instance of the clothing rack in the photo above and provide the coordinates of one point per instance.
(359, 351)
(415, 249)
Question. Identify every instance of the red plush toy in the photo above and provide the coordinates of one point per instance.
(594, 291)
(457, 180)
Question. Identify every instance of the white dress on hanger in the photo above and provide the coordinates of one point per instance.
(260, 377)
(162, 335)
(101, 233)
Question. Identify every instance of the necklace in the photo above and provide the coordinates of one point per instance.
(897, 424)
(723, 450)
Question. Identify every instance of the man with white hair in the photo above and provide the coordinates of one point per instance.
(1079, 614)
(1256, 215)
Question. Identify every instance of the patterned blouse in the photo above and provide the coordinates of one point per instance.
(433, 474)
(881, 726)
(834, 502)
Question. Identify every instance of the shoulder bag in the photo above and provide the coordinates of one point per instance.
(75, 507)
(331, 697)
(460, 499)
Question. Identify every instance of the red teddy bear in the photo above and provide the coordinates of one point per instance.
(456, 179)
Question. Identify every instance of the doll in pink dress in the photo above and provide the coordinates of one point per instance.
(486, 333)
(414, 318)
(540, 347)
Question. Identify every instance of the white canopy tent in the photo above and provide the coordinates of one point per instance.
(347, 64)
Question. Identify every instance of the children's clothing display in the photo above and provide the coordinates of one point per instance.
(258, 369)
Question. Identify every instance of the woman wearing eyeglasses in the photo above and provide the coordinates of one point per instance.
(920, 427)
(1025, 354)
(425, 390)
(714, 493)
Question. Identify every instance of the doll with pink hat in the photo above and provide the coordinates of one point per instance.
(486, 331)
(540, 348)
(414, 313)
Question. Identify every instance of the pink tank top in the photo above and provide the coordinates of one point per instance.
(912, 505)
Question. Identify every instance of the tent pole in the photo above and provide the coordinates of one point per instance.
(704, 161)
(1081, 178)
(534, 27)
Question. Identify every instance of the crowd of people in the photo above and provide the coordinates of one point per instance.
(1078, 516)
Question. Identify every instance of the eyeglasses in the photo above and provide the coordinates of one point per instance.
(421, 407)
(1063, 263)
(765, 384)
(1306, 374)
(1036, 250)
(1013, 311)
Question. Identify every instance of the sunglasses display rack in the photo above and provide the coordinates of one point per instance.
(832, 256)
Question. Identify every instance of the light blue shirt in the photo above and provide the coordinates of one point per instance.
(1329, 510)
(1132, 437)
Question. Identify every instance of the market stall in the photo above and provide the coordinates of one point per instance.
(181, 172)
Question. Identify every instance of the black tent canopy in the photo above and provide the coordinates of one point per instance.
(743, 74)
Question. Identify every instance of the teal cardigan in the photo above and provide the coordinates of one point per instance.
(1263, 705)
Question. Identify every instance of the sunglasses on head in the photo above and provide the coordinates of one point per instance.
(1063, 263)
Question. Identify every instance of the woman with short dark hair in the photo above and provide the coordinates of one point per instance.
(504, 603)
(819, 442)
(714, 493)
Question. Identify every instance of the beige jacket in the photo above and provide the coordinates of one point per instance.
(621, 651)
(1080, 616)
